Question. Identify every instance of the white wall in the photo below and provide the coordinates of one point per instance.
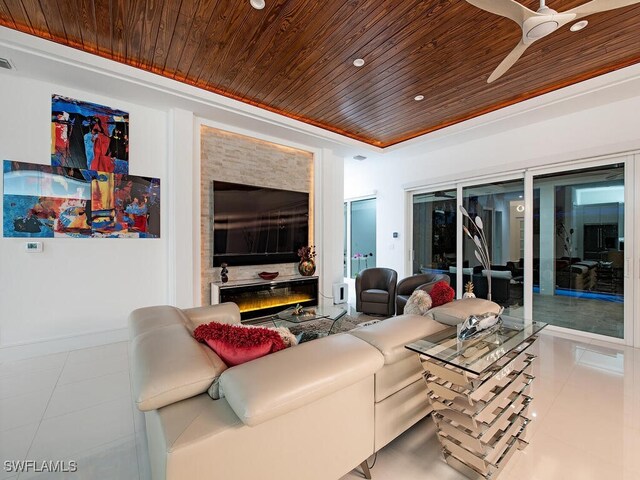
(594, 131)
(79, 292)
(77, 286)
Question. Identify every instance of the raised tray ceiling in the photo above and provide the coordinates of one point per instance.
(295, 57)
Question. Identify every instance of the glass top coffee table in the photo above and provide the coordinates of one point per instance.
(476, 355)
(478, 391)
(312, 322)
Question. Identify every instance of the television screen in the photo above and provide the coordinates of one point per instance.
(258, 225)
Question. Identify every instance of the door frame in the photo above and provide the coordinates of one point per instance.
(348, 202)
(631, 329)
(409, 248)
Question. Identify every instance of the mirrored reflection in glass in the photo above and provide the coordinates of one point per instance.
(578, 244)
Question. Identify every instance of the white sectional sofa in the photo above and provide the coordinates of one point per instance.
(313, 411)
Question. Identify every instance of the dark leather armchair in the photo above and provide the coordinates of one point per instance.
(376, 291)
(407, 286)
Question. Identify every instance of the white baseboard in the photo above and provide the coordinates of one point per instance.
(62, 344)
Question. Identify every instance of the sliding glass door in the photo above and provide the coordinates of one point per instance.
(500, 209)
(579, 249)
(434, 232)
(559, 243)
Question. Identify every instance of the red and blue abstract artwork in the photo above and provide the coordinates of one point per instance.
(88, 136)
(49, 201)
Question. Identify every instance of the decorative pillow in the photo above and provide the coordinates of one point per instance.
(441, 293)
(288, 338)
(236, 344)
(418, 304)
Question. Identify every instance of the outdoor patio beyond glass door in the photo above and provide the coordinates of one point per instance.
(578, 249)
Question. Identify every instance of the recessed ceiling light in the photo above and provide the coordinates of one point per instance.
(257, 4)
(358, 62)
(576, 27)
(359, 158)
(418, 98)
(4, 63)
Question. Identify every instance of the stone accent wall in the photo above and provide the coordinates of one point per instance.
(230, 157)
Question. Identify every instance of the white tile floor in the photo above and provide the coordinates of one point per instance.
(586, 421)
(77, 405)
(73, 406)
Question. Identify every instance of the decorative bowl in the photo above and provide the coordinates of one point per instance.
(268, 275)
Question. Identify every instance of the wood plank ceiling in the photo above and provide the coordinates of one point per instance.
(295, 56)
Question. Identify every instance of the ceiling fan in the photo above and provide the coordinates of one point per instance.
(536, 25)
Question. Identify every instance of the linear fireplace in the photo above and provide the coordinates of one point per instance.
(260, 298)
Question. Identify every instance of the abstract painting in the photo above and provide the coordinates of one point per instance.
(125, 205)
(45, 201)
(28, 216)
(88, 136)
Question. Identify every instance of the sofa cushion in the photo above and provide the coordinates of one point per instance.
(391, 335)
(236, 344)
(375, 296)
(167, 363)
(146, 319)
(221, 313)
(289, 340)
(313, 370)
(395, 376)
(456, 312)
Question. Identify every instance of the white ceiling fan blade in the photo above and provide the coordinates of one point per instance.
(508, 62)
(596, 6)
(505, 8)
(564, 17)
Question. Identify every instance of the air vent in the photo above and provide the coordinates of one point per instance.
(4, 63)
(359, 158)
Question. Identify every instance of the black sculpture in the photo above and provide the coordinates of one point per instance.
(223, 273)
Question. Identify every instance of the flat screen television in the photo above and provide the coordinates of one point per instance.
(258, 225)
